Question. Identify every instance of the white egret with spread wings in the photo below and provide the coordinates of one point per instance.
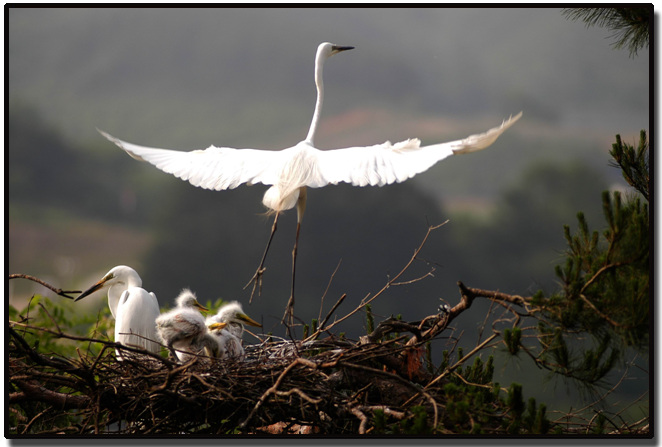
(290, 171)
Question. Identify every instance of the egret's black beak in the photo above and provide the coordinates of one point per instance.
(338, 49)
(92, 289)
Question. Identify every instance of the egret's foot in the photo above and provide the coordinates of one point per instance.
(256, 280)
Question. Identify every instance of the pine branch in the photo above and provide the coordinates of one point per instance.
(633, 163)
(630, 27)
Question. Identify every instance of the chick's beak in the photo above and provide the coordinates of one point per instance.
(201, 307)
(215, 326)
(248, 320)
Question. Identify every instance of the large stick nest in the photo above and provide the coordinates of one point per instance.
(315, 386)
(384, 383)
(323, 386)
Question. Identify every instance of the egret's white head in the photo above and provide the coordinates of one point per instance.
(187, 298)
(122, 275)
(325, 50)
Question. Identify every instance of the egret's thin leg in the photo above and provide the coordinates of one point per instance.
(301, 207)
(257, 277)
(289, 310)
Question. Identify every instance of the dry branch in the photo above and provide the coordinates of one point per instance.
(64, 293)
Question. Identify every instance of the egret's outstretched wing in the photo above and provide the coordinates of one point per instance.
(214, 168)
(387, 163)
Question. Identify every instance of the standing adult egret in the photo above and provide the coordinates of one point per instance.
(183, 328)
(229, 337)
(134, 309)
(290, 171)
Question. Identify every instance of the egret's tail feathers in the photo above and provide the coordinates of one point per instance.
(277, 199)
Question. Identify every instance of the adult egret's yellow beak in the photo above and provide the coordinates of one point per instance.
(95, 287)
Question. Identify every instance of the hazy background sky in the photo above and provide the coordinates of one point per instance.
(218, 63)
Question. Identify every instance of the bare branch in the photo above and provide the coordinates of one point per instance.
(393, 280)
(64, 293)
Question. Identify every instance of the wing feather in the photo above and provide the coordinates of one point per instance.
(214, 168)
(388, 163)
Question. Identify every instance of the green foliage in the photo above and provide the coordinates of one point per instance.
(513, 339)
(41, 312)
(515, 400)
(476, 403)
(369, 319)
(599, 427)
(471, 404)
(604, 282)
(416, 423)
(633, 163)
(379, 421)
(535, 419)
(631, 26)
(530, 418)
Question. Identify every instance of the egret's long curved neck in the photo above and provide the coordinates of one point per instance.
(319, 65)
(114, 293)
(116, 290)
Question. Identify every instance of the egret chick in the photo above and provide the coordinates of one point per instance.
(229, 338)
(134, 309)
(229, 345)
(183, 328)
(210, 343)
